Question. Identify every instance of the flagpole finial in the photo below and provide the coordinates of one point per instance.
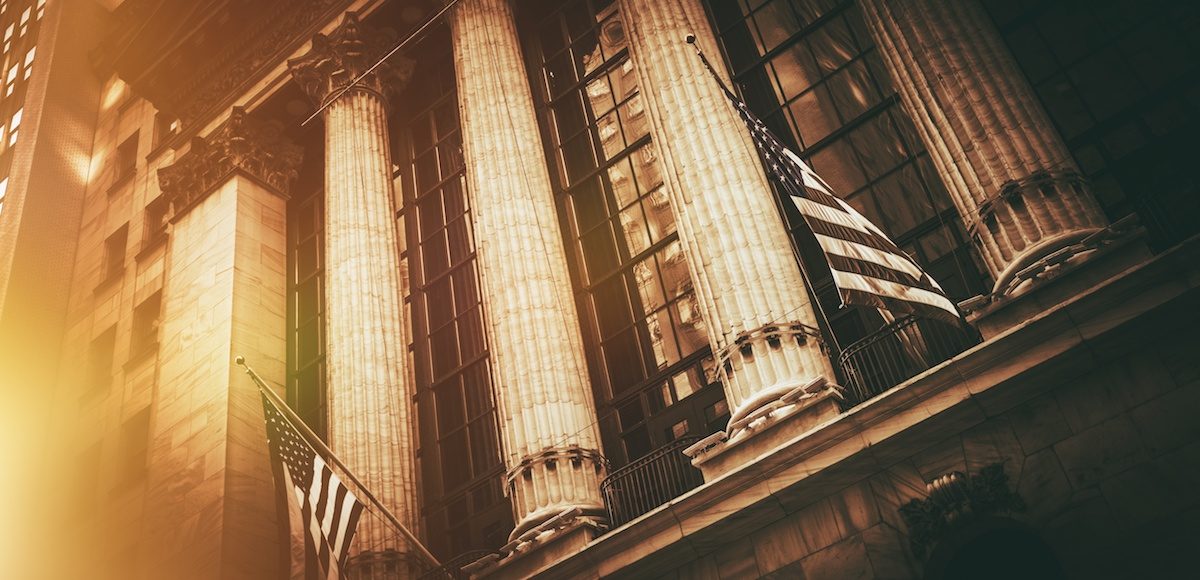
(239, 360)
(690, 38)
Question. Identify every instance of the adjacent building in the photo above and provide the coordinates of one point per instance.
(530, 281)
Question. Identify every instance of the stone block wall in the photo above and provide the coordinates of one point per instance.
(210, 500)
(1107, 462)
(88, 420)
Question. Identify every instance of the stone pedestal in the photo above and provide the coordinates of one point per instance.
(1006, 168)
(716, 456)
(536, 554)
(752, 295)
(543, 394)
(370, 414)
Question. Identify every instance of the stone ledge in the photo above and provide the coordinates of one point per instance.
(944, 400)
(765, 433)
(558, 538)
(1107, 255)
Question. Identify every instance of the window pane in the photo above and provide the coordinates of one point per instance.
(569, 117)
(578, 159)
(599, 252)
(878, 145)
(470, 334)
(633, 226)
(439, 303)
(795, 69)
(832, 45)
(838, 166)
(633, 119)
(645, 273)
(456, 466)
(623, 357)
(444, 349)
(903, 201)
(776, 22)
(852, 91)
(451, 409)
(815, 114)
(611, 304)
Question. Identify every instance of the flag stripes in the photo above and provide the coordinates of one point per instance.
(329, 511)
(868, 268)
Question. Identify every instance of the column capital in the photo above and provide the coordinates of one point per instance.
(243, 143)
(346, 53)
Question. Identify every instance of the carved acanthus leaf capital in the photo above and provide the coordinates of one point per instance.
(336, 60)
(243, 143)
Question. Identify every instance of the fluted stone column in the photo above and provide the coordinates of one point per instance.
(545, 405)
(760, 321)
(370, 415)
(1008, 171)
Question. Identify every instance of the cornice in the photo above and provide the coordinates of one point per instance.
(239, 65)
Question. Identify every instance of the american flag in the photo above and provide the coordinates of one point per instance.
(868, 268)
(328, 511)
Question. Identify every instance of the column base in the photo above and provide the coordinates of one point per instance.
(1059, 276)
(557, 539)
(574, 475)
(757, 435)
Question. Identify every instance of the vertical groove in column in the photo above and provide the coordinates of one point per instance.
(544, 397)
(1009, 173)
(740, 255)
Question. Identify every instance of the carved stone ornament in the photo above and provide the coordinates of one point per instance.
(242, 143)
(336, 60)
(955, 499)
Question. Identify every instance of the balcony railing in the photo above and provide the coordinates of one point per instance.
(664, 474)
(898, 352)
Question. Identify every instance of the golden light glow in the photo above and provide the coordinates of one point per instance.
(113, 95)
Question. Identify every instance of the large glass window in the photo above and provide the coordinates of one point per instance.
(648, 350)
(465, 508)
(810, 70)
(306, 294)
(1117, 79)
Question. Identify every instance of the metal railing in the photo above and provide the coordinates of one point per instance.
(898, 352)
(452, 569)
(659, 477)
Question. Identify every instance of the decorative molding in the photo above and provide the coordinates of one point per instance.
(955, 499)
(334, 61)
(770, 335)
(243, 143)
(240, 64)
(550, 456)
(1014, 192)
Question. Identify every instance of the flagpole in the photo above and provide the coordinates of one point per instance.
(312, 438)
(809, 287)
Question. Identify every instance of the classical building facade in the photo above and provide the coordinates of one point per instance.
(529, 280)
